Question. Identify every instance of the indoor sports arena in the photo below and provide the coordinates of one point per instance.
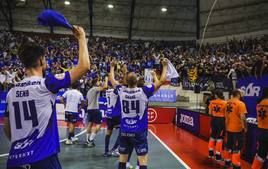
(133, 84)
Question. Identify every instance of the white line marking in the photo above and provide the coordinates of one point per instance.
(3, 155)
(175, 155)
(79, 134)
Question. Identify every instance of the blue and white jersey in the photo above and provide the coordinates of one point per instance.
(113, 103)
(134, 108)
(32, 116)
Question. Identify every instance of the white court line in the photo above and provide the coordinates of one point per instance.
(175, 155)
(79, 134)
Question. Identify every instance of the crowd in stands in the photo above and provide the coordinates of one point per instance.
(232, 59)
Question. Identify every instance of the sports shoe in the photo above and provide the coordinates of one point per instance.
(90, 144)
(129, 166)
(211, 154)
(69, 142)
(115, 153)
(107, 154)
(74, 139)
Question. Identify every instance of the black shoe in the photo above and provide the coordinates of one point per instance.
(218, 157)
(211, 154)
(90, 144)
(228, 164)
(236, 167)
(107, 154)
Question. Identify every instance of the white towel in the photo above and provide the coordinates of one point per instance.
(171, 71)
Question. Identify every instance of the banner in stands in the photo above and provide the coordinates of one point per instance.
(252, 88)
(161, 115)
(164, 95)
(188, 120)
(188, 85)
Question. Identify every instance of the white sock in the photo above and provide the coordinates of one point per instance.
(88, 135)
(92, 136)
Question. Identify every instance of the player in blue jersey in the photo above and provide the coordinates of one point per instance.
(112, 119)
(134, 115)
(30, 119)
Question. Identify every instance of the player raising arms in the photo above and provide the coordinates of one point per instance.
(134, 115)
(93, 110)
(30, 120)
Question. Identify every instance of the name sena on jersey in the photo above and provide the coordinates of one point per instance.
(22, 93)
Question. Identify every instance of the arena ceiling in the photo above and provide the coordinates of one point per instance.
(183, 19)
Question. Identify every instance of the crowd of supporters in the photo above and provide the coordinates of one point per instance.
(233, 59)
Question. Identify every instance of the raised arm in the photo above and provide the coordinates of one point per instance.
(104, 86)
(83, 59)
(163, 77)
(111, 74)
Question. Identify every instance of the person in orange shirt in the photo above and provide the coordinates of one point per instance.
(262, 117)
(235, 121)
(217, 110)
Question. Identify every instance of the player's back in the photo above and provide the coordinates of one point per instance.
(218, 107)
(262, 114)
(134, 105)
(234, 109)
(32, 116)
(73, 99)
(113, 103)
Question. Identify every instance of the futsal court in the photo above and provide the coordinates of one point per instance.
(160, 156)
(170, 147)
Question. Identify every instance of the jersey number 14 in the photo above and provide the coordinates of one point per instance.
(29, 111)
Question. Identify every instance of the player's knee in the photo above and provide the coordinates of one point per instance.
(143, 160)
(123, 158)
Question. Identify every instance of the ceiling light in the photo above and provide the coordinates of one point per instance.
(110, 6)
(164, 9)
(67, 2)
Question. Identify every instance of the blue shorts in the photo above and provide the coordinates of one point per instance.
(94, 116)
(51, 162)
(71, 117)
(113, 122)
(130, 141)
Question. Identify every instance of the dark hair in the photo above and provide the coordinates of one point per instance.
(236, 93)
(94, 81)
(30, 53)
(219, 94)
(75, 85)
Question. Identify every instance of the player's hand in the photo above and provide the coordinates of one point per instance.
(78, 32)
(113, 63)
(164, 62)
(153, 73)
(124, 68)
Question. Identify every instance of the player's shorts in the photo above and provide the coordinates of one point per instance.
(217, 127)
(234, 141)
(263, 143)
(113, 122)
(130, 141)
(94, 116)
(51, 162)
(71, 117)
